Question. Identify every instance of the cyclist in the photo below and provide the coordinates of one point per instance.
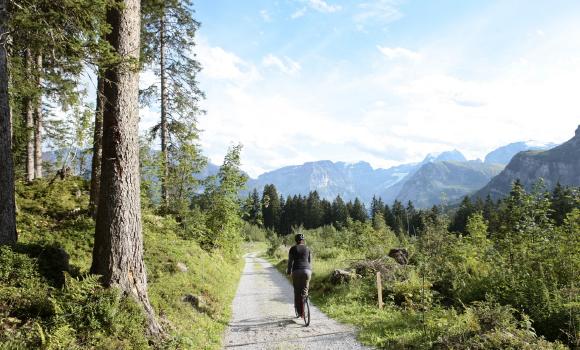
(299, 267)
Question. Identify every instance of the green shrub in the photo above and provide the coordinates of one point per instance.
(253, 233)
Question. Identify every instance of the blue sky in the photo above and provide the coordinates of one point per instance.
(384, 81)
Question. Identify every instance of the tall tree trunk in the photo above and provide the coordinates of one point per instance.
(7, 203)
(164, 131)
(118, 248)
(38, 123)
(29, 112)
(97, 149)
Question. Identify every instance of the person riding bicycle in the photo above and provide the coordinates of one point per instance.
(299, 261)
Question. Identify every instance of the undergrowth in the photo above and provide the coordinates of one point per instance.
(451, 295)
(48, 300)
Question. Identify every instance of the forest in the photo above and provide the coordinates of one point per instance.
(80, 187)
(110, 238)
(482, 275)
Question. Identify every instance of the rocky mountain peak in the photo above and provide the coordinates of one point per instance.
(578, 131)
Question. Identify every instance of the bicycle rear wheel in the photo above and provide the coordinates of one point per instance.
(306, 314)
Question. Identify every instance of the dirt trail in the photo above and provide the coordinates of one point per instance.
(263, 316)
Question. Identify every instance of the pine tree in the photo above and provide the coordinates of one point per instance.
(377, 206)
(389, 218)
(411, 218)
(459, 223)
(223, 212)
(56, 40)
(315, 211)
(327, 209)
(339, 213)
(271, 210)
(7, 203)
(562, 203)
(118, 247)
(359, 212)
(253, 209)
(399, 217)
(168, 33)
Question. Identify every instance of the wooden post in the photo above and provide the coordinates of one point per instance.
(380, 290)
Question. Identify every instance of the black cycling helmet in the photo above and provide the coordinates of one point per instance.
(299, 237)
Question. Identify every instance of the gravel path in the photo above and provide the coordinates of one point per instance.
(263, 316)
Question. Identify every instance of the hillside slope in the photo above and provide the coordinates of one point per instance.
(446, 181)
(559, 164)
(504, 154)
(48, 300)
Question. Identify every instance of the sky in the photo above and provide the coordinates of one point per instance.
(385, 81)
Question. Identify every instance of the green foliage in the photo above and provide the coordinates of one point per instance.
(168, 32)
(47, 300)
(271, 208)
(80, 314)
(208, 276)
(69, 138)
(511, 282)
(253, 233)
(222, 207)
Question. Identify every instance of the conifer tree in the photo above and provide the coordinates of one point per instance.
(168, 30)
(253, 209)
(359, 212)
(562, 203)
(377, 206)
(315, 211)
(339, 212)
(466, 209)
(271, 210)
(118, 247)
(389, 217)
(7, 202)
(399, 217)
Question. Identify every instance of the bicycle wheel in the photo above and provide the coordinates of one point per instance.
(306, 314)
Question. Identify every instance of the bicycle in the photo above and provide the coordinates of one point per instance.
(306, 310)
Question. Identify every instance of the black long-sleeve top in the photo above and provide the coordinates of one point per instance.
(298, 258)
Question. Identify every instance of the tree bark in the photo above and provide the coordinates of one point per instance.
(7, 203)
(29, 111)
(118, 248)
(38, 123)
(97, 149)
(164, 130)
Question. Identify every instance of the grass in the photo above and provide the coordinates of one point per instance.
(40, 307)
(407, 321)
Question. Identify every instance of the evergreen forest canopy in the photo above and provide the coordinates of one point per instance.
(286, 215)
(77, 272)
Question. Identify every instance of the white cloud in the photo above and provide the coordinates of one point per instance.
(220, 64)
(265, 15)
(377, 12)
(284, 64)
(323, 6)
(298, 13)
(394, 53)
(441, 96)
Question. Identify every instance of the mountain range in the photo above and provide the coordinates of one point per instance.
(559, 164)
(444, 177)
(504, 154)
(440, 178)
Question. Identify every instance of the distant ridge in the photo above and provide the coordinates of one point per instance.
(447, 173)
(559, 164)
(504, 154)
